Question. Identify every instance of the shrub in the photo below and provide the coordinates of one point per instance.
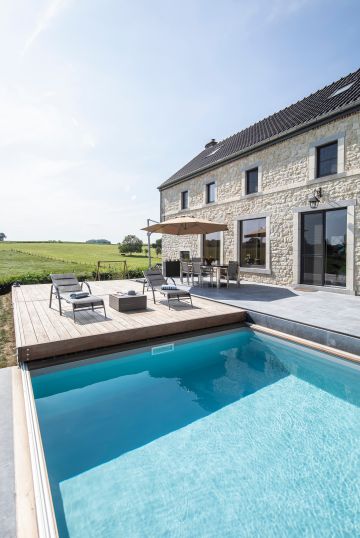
(130, 244)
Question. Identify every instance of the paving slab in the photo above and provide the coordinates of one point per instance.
(7, 467)
(330, 311)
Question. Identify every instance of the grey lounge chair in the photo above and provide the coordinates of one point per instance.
(66, 286)
(155, 280)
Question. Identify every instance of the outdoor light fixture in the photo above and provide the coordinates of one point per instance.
(314, 200)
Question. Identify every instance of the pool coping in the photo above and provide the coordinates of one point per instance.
(45, 513)
(307, 343)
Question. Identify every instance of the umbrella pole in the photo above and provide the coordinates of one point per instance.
(148, 237)
(149, 246)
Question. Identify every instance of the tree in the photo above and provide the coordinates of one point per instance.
(2, 236)
(130, 244)
(98, 242)
(158, 247)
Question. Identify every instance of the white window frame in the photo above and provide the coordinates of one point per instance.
(257, 270)
(350, 245)
(336, 137)
(244, 171)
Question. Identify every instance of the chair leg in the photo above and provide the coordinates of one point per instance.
(60, 309)
(154, 295)
(104, 311)
(51, 294)
(74, 313)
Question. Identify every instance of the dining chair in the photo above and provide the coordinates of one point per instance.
(184, 270)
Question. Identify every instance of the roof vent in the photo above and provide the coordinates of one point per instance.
(211, 143)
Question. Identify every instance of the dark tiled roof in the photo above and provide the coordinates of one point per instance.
(312, 109)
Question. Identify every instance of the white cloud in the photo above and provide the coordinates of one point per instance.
(45, 18)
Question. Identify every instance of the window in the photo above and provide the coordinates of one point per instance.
(185, 200)
(214, 151)
(341, 90)
(326, 159)
(185, 255)
(211, 247)
(253, 243)
(210, 193)
(252, 181)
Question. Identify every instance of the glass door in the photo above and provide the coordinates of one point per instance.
(323, 248)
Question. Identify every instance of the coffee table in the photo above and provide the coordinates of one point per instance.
(122, 302)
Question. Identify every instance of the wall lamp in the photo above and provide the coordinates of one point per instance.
(314, 200)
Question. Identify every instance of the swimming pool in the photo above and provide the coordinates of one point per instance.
(234, 434)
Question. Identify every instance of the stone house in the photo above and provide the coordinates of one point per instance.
(288, 187)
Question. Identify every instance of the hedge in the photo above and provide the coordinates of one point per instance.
(44, 278)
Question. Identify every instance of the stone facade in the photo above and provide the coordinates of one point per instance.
(286, 179)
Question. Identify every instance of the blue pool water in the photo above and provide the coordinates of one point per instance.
(235, 435)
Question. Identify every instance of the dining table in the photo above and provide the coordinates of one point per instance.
(217, 267)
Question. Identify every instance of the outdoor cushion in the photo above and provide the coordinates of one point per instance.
(90, 299)
(176, 292)
(168, 287)
(79, 294)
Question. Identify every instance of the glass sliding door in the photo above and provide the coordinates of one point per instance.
(335, 248)
(212, 247)
(312, 248)
(323, 248)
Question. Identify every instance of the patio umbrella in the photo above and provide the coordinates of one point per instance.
(186, 226)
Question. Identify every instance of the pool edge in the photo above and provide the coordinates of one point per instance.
(304, 342)
(45, 514)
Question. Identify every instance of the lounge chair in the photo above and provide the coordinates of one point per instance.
(157, 282)
(67, 287)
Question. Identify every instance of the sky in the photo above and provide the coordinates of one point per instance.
(103, 100)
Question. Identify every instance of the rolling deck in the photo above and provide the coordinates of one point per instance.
(42, 333)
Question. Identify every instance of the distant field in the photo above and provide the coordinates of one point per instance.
(20, 259)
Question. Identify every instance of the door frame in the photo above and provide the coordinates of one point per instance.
(349, 205)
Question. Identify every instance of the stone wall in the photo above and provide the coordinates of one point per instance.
(286, 185)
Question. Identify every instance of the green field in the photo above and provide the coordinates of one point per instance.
(31, 262)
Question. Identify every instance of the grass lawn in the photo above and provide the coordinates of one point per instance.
(18, 259)
(26, 261)
(7, 336)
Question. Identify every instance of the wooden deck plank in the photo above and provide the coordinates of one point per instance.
(41, 332)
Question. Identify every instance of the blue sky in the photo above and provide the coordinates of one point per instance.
(101, 101)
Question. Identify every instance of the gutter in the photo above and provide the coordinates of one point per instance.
(263, 144)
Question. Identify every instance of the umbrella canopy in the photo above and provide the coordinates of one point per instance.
(186, 226)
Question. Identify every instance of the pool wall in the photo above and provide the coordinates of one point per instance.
(334, 339)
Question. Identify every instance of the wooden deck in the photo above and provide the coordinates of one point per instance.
(41, 332)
